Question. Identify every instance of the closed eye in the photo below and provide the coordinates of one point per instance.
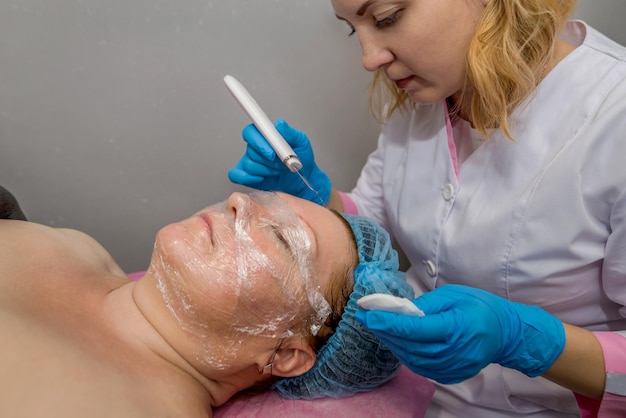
(389, 20)
(281, 238)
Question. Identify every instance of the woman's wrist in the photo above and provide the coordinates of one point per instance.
(580, 367)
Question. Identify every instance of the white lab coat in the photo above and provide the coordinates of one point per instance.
(540, 220)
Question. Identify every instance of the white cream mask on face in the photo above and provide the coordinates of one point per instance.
(239, 268)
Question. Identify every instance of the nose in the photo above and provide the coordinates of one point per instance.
(375, 54)
(237, 203)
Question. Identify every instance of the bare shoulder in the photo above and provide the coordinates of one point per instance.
(34, 255)
(53, 376)
(19, 237)
(54, 369)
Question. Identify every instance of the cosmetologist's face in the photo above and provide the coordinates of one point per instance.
(420, 45)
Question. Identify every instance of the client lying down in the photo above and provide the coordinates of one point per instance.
(259, 291)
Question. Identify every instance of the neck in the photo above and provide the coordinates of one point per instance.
(561, 50)
(155, 352)
(146, 323)
(458, 108)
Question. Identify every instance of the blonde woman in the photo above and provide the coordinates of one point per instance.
(499, 171)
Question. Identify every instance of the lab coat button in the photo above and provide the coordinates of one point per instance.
(430, 268)
(448, 191)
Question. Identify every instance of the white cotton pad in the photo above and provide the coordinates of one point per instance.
(389, 303)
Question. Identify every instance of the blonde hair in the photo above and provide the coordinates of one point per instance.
(508, 55)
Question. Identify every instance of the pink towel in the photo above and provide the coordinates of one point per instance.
(405, 396)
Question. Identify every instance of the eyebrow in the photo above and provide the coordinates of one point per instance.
(361, 10)
(364, 8)
(314, 233)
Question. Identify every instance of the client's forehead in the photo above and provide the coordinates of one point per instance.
(332, 241)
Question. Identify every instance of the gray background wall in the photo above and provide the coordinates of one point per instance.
(114, 118)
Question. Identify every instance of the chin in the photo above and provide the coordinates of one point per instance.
(422, 100)
(425, 97)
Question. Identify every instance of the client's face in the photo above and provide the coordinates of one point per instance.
(255, 265)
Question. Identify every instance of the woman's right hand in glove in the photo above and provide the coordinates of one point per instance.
(260, 167)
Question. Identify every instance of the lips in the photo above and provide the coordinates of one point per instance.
(207, 222)
(403, 82)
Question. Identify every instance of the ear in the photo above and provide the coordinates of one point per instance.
(295, 357)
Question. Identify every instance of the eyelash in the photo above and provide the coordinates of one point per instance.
(389, 20)
(280, 237)
(383, 23)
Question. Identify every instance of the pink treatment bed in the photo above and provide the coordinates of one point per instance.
(406, 396)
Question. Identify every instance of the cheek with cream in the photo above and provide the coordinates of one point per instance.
(247, 271)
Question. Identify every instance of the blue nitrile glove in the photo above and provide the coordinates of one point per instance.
(260, 168)
(464, 330)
